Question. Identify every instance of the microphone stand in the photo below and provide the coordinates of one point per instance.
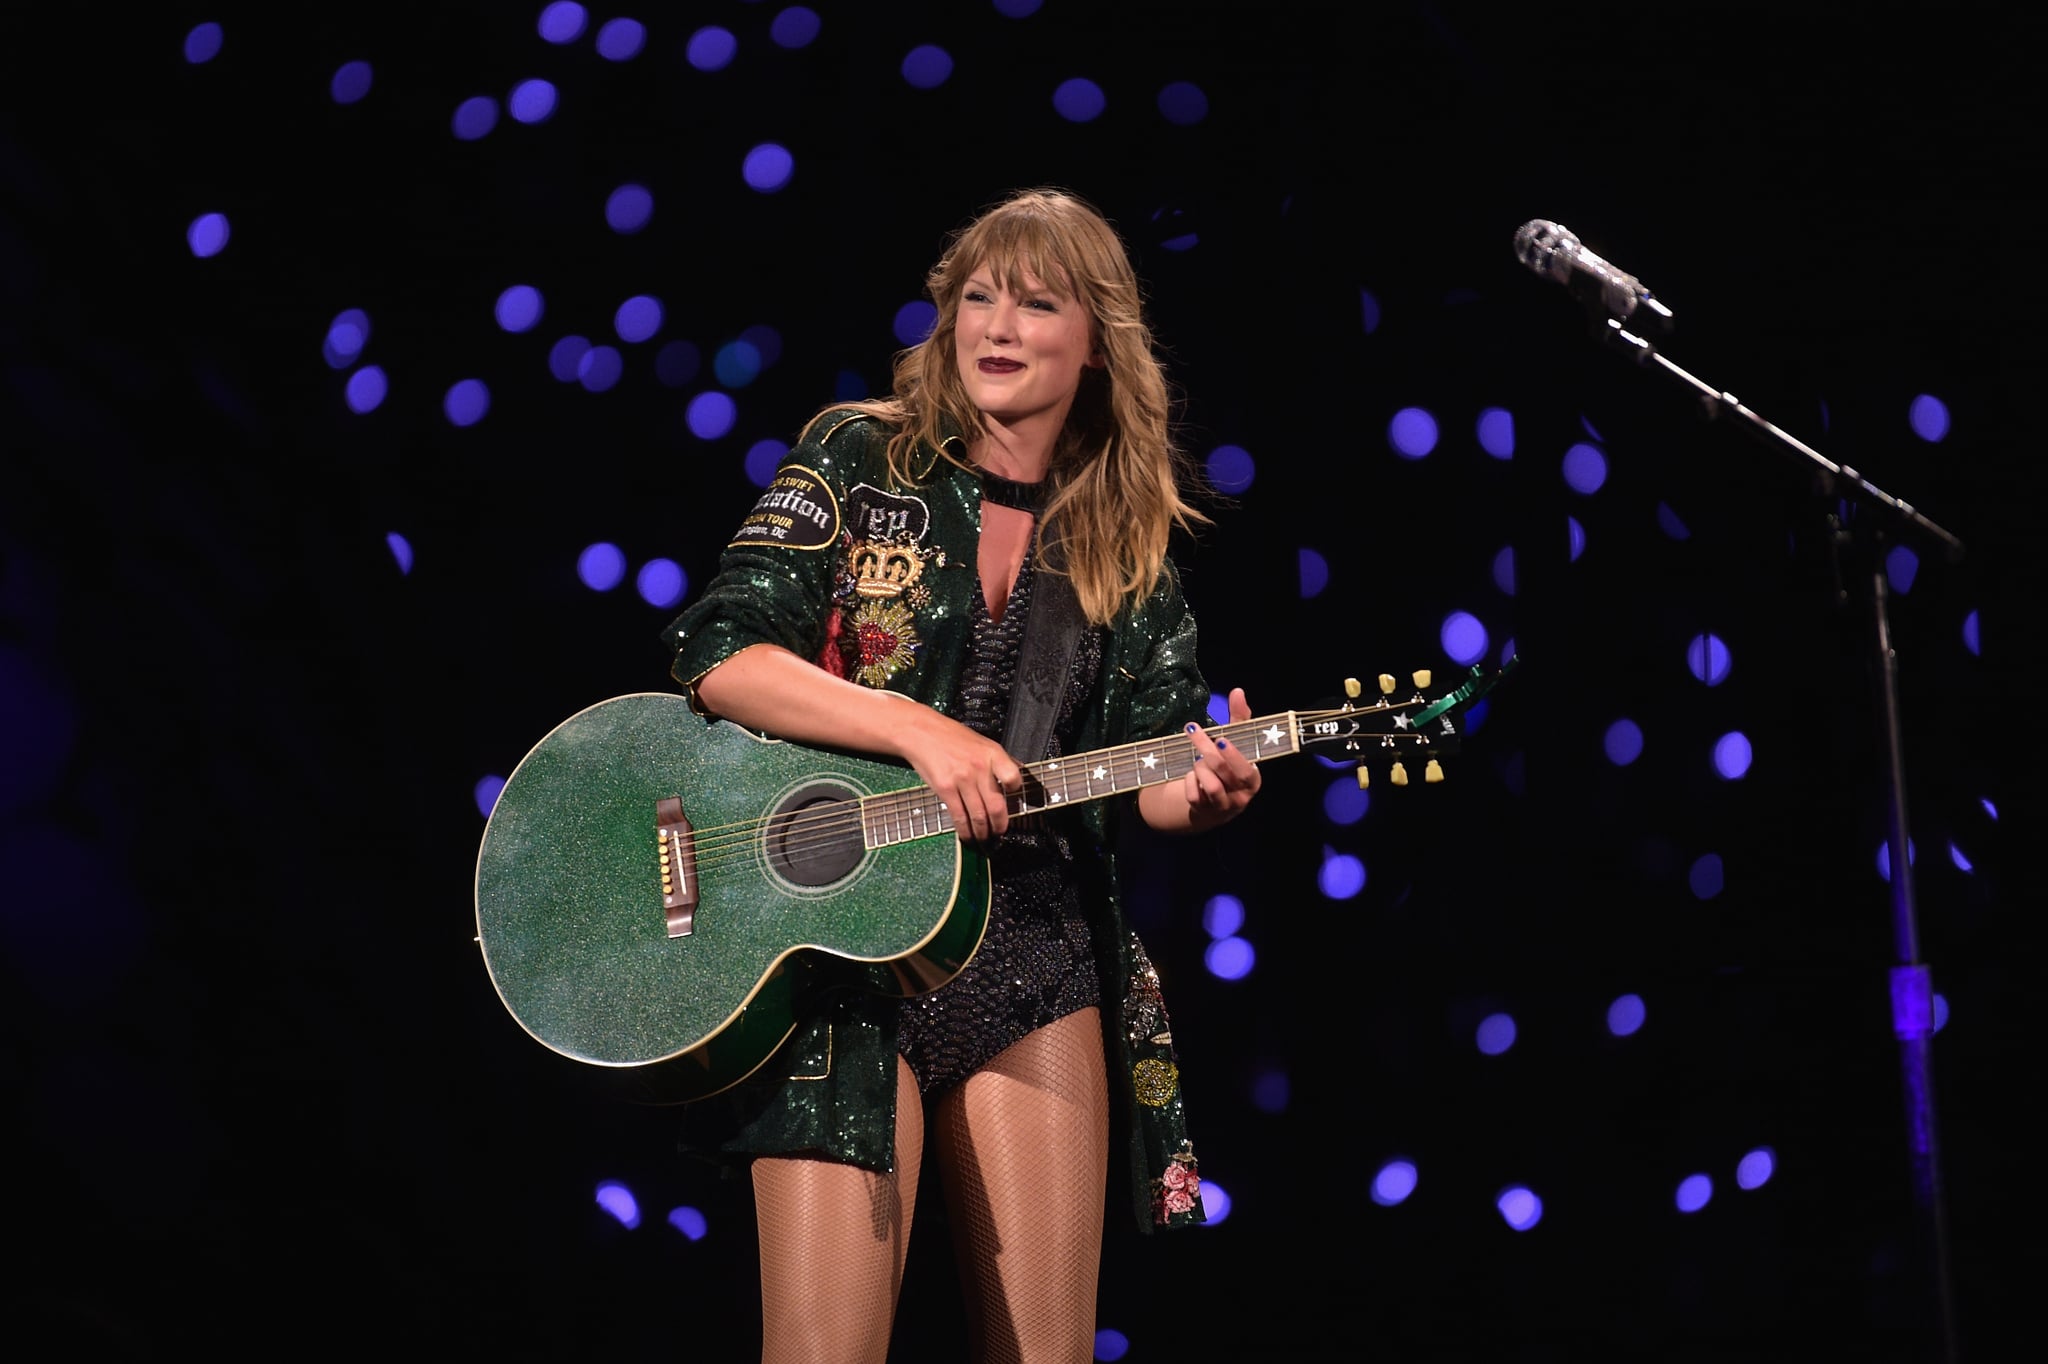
(1912, 984)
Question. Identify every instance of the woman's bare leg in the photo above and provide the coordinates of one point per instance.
(833, 1239)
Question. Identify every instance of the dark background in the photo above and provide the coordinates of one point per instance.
(263, 1095)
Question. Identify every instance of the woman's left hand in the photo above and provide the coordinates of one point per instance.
(1221, 783)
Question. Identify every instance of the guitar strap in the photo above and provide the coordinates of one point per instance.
(1051, 633)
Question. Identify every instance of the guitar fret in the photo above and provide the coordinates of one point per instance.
(901, 816)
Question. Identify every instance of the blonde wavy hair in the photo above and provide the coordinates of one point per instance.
(1116, 469)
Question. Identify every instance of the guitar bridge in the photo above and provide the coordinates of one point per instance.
(678, 865)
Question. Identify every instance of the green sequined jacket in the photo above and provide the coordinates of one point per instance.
(873, 582)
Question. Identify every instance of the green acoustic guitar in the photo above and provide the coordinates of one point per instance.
(665, 897)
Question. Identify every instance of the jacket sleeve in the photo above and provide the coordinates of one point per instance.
(1168, 690)
(775, 578)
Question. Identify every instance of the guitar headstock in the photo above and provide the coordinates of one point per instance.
(1404, 728)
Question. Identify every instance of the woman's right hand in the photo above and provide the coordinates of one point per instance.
(973, 776)
(768, 688)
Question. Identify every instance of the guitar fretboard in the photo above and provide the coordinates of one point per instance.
(899, 816)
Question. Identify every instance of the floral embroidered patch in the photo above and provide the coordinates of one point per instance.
(1178, 1187)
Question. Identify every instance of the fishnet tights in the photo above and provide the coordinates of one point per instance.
(1023, 1152)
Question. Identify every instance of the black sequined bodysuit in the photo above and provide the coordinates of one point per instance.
(1036, 963)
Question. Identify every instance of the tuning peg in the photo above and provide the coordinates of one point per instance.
(1364, 777)
(1422, 679)
(1399, 776)
(1351, 688)
(1387, 684)
(1433, 772)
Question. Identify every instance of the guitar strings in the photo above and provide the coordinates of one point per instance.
(811, 830)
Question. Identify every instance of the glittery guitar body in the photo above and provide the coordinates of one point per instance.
(665, 898)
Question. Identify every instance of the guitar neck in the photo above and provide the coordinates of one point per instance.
(900, 816)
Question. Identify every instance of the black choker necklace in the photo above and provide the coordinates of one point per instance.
(1007, 492)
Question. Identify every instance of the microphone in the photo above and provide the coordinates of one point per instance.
(1553, 251)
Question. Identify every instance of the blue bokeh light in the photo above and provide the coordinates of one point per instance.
(562, 21)
(203, 42)
(1111, 1345)
(638, 318)
(677, 362)
(1707, 658)
(768, 168)
(1884, 857)
(763, 458)
(1394, 1182)
(1755, 1169)
(1959, 858)
(737, 364)
(1496, 430)
(1463, 638)
(616, 1199)
(1183, 103)
(208, 234)
(565, 357)
(627, 208)
(1368, 311)
(474, 118)
(711, 415)
(1575, 537)
(1519, 1207)
(1231, 468)
(599, 368)
(1341, 876)
(1216, 1203)
(1706, 878)
(1412, 432)
(689, 1221)
(531, 101)
(1901, 566)
(927, 66)
(1229, 958)
(1623, 742)
(401, 552)
(485, 793)
(1694, 1192)
(466, 402)
(351, 82)
(520, 308)
(1222, 915)
(1732, 755)
(795, 27)
(601, 566)
(1669, 522)
(1971, 640)
(1625, 1015)
(1017, 9)
(347, 334)
(620, 40)
(1079, 100)
(1504, 569)
(1271, 1091)
(1928, 416)
(914, 321)
(366, 388)
(1312, 572)
(661, 582)
(1345, 802)
(1495, 1034)
(712, 48)
(1585, 468)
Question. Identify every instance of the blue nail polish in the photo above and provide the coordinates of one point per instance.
(1192, 726)
(1223, 743)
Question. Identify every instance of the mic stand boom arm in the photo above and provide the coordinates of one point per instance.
(1912, 985)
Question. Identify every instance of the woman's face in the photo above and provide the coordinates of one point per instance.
(1021, 355)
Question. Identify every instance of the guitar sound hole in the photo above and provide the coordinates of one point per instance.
(814, 835)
